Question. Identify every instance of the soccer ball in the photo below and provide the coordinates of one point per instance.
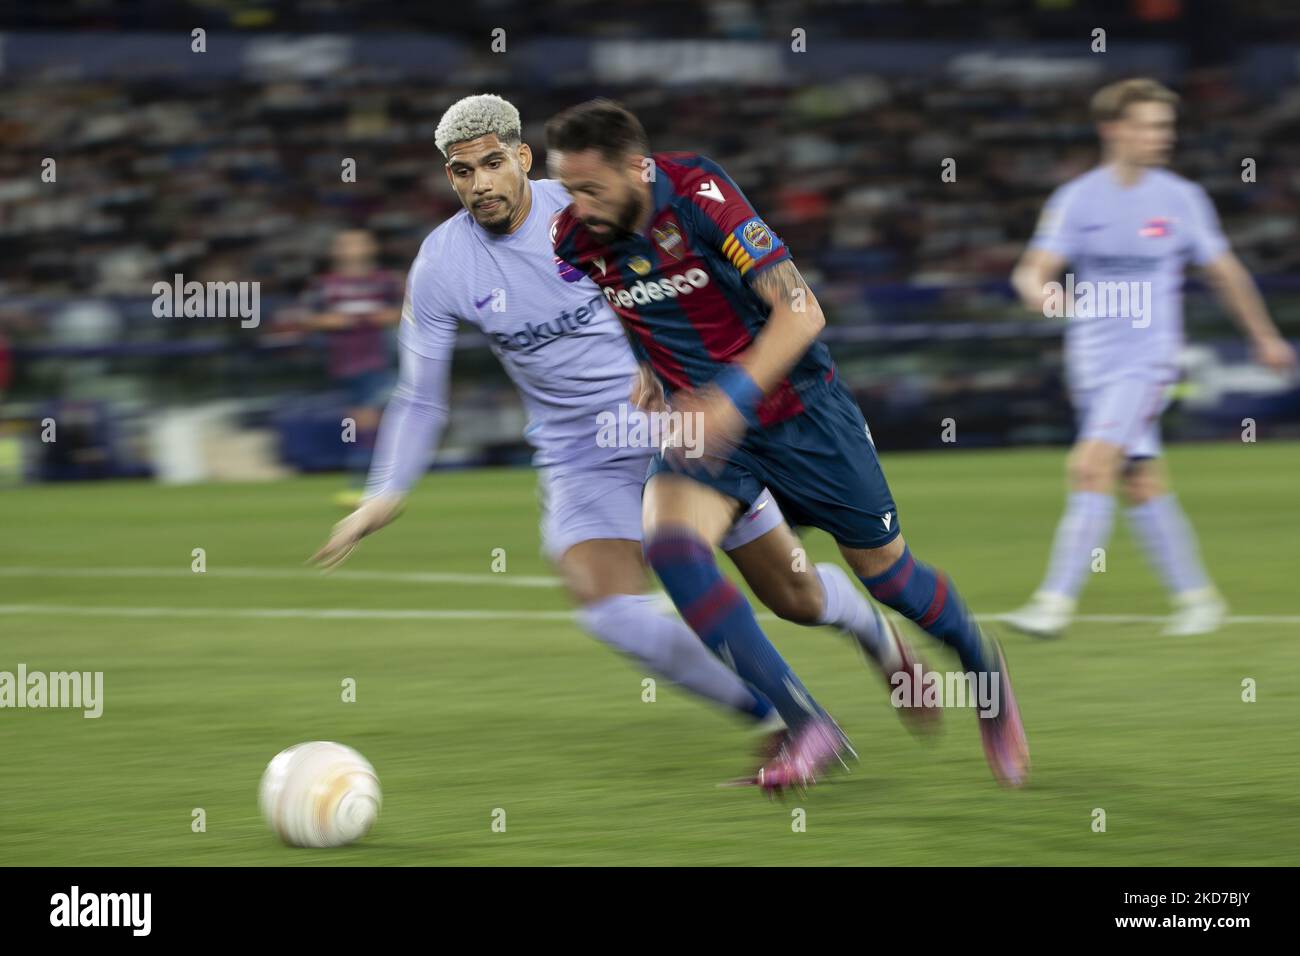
(319, 794)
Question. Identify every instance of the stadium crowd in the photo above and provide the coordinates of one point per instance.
(243, 181)
(114, 180)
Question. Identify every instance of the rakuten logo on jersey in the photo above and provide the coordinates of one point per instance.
(642, 292)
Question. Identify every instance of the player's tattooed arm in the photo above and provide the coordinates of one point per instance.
(782, 283)
(794, 323)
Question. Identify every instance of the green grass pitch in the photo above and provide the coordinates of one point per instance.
(462, 717)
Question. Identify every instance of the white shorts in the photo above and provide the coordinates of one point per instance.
(586, 503)
(1124, 413)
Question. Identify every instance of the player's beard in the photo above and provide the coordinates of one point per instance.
(626, 218)
(500, 220)
(632, 213)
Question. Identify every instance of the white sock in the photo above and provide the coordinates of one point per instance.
(847, 608)
(637, 625)
(1170, 544)
(1083, 529)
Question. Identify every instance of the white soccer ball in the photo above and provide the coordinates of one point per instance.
(319, 794)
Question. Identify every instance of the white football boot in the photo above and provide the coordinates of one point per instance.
(1196, 612)
(1046, 615)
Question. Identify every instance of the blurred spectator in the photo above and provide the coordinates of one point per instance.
(161, 178)
(355, 306)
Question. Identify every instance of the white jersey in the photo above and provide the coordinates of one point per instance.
(551, 328)
(1127, 248)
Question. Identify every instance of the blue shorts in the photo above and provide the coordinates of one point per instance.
(820, 465)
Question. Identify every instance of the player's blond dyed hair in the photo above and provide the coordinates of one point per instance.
(476, 116)
(1110, 102)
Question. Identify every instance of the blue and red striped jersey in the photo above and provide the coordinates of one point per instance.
(362, 347)
(681, 288)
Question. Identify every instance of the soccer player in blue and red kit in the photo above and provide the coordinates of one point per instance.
(714, 305)
(355, 305)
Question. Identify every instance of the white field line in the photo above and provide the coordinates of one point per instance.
(281, 613)
(404, 577)
(472, 614)
(293, 574)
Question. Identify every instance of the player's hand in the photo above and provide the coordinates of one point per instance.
(647, 391)
(1036, 303)
(707, 428)
(1276, 353)
(371, 515)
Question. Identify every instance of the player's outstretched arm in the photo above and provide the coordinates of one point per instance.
(1036, 268)
(1239, 295)
(412, 423)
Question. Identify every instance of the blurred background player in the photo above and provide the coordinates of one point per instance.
(1133, 223)
(355, 305)
(713, 302)
(492, 266)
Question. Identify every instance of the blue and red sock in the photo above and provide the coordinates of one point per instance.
(717, 612)
(928, 599)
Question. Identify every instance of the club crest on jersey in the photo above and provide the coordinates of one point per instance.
(639, 264)
(748, 243)
(1157, 228)
(669, 238)
(756, 238)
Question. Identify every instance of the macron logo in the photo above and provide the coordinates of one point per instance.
(887, 519)
(600, 264)
(710, 190)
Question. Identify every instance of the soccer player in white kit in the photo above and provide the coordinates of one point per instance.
(1128, 229)
(492, 265)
